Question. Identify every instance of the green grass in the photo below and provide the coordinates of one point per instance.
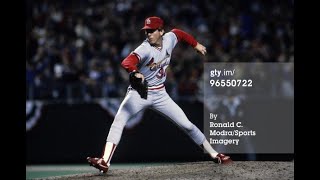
(45, 174)
(46, 171)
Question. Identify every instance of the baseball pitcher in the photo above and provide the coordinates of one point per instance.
(147, 66)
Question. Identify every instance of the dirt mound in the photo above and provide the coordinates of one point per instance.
(238, 170)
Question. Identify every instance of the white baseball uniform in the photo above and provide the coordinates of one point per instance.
(153, 62)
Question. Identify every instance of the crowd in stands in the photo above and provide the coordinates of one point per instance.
(75, 47)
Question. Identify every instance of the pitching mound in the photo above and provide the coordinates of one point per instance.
(238, 170)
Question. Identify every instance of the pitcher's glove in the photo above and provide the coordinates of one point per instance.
(138, 85)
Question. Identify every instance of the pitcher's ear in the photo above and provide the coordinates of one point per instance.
(161, 31)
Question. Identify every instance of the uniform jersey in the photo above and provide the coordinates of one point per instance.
(153, 61)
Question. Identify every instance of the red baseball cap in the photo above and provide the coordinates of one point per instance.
(153, 23)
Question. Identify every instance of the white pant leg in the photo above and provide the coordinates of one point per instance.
(130, 106)
(169, 108)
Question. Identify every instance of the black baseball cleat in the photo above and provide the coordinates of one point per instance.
(98, 163)
(223, 159)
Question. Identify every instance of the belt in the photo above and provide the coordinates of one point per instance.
(156, 87)
(151, 87)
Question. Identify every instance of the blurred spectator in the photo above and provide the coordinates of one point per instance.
(83, 42)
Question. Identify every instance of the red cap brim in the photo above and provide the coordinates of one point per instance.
(147, 27)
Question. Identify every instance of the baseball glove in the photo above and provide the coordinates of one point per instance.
(138, 85)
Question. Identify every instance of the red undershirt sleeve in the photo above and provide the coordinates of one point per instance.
(130, 63)
(183, 36)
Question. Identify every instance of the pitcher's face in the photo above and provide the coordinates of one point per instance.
(154, 36)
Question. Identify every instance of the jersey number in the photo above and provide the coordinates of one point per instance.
(161, 73)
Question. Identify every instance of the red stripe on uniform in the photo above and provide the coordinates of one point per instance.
(155, 88)
(137, 55)
(111, 153)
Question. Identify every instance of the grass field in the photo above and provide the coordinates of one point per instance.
(51, 171)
